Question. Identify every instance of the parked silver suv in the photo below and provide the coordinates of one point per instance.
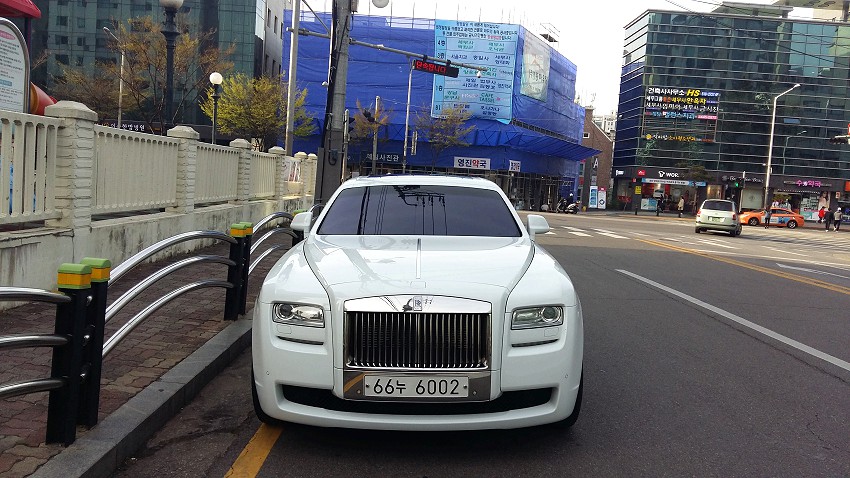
(718, 215)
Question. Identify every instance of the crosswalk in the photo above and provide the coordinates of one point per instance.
(782, 240)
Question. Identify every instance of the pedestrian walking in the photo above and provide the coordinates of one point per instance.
(827, 218)
(836, 219)
(681, 205)
(821, 213)
(766, 217)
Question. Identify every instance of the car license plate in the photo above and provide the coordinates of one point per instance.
(419, 386)
(715, 219)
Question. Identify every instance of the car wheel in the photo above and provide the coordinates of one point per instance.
(753, 222)
(571, 420)
(792, 224)
(697, 230)
(258, 410)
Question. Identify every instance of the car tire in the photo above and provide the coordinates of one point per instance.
(792, 224)
(753, 222)
(571, 420)
(697, 230)
(258, 410)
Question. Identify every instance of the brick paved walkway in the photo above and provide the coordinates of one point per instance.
(152, 348)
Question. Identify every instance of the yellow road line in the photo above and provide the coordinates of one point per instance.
(784, 275)
(255, 453)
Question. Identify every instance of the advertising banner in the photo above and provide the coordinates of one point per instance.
(594, 197)
(489, 45)
(680, 114)
(535, 68)
(14, 69)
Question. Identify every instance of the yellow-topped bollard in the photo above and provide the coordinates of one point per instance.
(74, 276)
(100, 268)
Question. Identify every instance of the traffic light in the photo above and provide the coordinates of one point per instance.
(736, 184)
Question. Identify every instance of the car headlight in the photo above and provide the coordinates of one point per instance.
(543, 316)
(298, 314)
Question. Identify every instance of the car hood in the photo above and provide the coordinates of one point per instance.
(402, 261)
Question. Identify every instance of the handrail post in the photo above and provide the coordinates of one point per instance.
(74, 280)
(246, 266)
(93, 352)
(234, 273)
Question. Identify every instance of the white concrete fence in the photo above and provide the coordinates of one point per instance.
(70, 188)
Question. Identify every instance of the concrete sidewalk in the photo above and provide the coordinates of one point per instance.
(154, 372)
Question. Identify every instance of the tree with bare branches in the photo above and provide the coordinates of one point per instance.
(447, 131)
(145, 72)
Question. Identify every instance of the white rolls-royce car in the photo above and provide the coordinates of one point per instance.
(418, 303)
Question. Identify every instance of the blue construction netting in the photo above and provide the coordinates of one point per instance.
(373, 72)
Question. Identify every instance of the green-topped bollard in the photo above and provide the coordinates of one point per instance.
(74, 280)
(93, 351)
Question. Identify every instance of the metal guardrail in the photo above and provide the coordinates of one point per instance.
(78, 338)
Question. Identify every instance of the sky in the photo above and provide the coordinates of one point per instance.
(590, 31)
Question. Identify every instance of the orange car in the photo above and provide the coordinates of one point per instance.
(778, 217)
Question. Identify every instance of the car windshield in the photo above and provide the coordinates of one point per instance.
(419, 210)
(718, 206)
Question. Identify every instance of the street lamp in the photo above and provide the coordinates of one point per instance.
(770, 141)
(215, 79)
(169, 31)
(786, 147)
(121, 73)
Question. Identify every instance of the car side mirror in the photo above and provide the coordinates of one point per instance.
(536, 224)
(302, 222)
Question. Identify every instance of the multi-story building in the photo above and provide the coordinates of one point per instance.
(595, 178)
(607, 123)
(71, 32)
(698, 96)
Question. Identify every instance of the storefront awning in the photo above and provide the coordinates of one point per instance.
(19, 8)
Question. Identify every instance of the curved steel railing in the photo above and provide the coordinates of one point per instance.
(137, 289)
(38, 295)
(125, 329)
(140, 256)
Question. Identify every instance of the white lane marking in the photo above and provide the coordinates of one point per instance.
(746, 323)
(785, 252)
(811, 270)
(640, 234)
(715, 243)
(610, 234)
(576, 231)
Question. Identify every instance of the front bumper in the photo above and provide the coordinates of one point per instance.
(533, 385)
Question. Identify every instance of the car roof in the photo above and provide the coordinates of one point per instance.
(420, 179)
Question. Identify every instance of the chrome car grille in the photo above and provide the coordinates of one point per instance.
(417, 340)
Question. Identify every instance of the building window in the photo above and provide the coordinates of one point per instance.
(266, 64)
(281, 31)
(61, 40)
(585, 135)
(275, 23)
(81, 41)
(81, 22)
(63, 59)
(80, 61)
(268, 18)
(62, 21)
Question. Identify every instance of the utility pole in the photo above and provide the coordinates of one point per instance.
(329, 171)
(375, 136)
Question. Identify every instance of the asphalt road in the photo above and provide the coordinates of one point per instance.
(705, 355)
